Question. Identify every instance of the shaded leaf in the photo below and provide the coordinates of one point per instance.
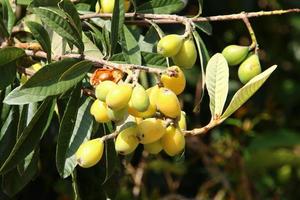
(153, 59)
(161, 6)
(117, 23)
(204, 26)
(31, 135)
(8, 15)
(217, 79)
(42, 36)
(243, 94)
(130, 47)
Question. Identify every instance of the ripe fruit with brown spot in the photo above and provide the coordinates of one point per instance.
(150, 130)
(89, 153)
(119, 97)
(249, 69)
(173, 141)
(175, 83)
(170, 45)
(100, 111)
(167, 103)
(126, 141)
(235, 54)
(187, 55)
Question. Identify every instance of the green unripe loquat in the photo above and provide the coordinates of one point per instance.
(170, 45)
(139, 99)
(187, 55)
(119, 97)
(235, 54)
(126, 141)
(103, 88)
(249, 69)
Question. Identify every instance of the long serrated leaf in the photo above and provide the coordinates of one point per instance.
(117, 24)
(55, 19)
(31, 136)
(66, 129)
(91, 50)
(161, 6)
(8, 15)
(82, 131)
(8, 67)
(243, 94)
(130, 47)
(13, 182)
(42, 36)
(153, 59)
(217, 79)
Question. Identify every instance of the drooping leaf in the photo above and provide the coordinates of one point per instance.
(161, 6)
(72, 140)
(217, 81)
(13, 182)
(31, 136)
(117, 23)
(8, 15)
(42, 36)
(243, 94)
(130, 47)
(204, 26)
(8, 67)
(56, 20)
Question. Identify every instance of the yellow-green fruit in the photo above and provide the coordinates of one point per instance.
(116, 115)
(127, 141)
(187, 55)
(249, 68)
(235, 54)
(173, 141)
(167, 103)
(103, 88)
(119, 97)
(107, 6)
(170, 45)
(175, 83)
(182, 121)
(100, 111)
(150, 130)
(89, 153)
(139, 99)
(154, 147)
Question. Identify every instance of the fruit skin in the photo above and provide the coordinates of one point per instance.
(107, 6)
(119, 97)
(187, 55)
(103, 88)
(139, 99)
(89, 153)
(173, 141)
(167, 103)
(235, 54)
(249, 68)
(100, 111)
(169, 45)
(182, 121)
(116, 115)
(154, 147)
(174, 83)
(150, 130)
(127, 141)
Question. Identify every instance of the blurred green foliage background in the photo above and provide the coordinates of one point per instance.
(253, 155)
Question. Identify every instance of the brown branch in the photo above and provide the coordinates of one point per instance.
(139, 18)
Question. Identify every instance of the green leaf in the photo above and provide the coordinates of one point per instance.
(13, 182)
(4, 108)
(3, 31)
(204, 26)
(130, 47)
(23, 2)
(217, 79)
(72, 139)
(91, 50)
(8, 15)
(56, 20)
(30, 136)
(243, 94)
(42, 36)
(8, 67)
(66, 129)
(161, 6)
(117, 23)
(52, 79)
(38, 3)
(72, 15)
(8, 134)
(153, 59)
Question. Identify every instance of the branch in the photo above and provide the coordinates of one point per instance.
(254, 44)
(139, 18)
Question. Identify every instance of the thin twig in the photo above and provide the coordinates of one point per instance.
(254, 44)
(174, 19)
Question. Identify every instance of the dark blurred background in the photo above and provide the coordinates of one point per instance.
(255, 154)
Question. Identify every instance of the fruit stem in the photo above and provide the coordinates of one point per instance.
(254, 45)
(110, 136)
(204, 129)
